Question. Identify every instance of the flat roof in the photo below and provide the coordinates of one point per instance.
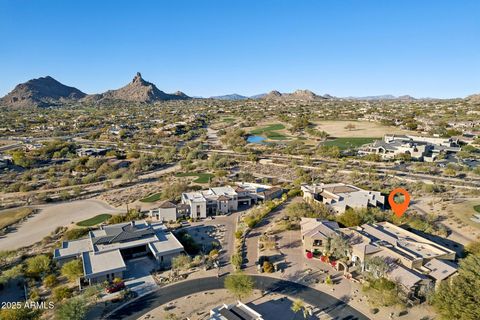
(73, 248)
(167, 243)
(95, 264)
(440, 269)
(413, 246)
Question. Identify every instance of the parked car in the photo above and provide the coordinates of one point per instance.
(115, 287)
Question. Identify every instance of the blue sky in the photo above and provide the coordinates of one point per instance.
(424, 48)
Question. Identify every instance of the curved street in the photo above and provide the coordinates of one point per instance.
(325, 303)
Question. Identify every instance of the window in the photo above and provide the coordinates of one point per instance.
(317, 243)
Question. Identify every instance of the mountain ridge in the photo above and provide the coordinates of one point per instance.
(41, 92)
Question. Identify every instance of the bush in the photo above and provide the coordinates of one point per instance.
(74, 234)
(181, 262)
(239, 284)
(191, 247)
(295, 192)
(73, 309)
(268, 267)
(38, 265)
(61, 293)
(236, 261)
(50, 281)
(238, 234)
(72, 270)
(382, 292)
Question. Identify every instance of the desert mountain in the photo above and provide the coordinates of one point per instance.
(474, 98)
(41, 92)
(305, 95)
(139, 90)
(233, 96)
(383, 97)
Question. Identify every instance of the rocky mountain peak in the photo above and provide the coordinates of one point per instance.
(40, 92)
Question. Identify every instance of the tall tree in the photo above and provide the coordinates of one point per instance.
(460, 297)
(239, 284)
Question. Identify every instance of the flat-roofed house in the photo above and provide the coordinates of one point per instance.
(234, 311)
(105, 252)
(227, 199)
(339, 196)
(417, 147)
(197, 203)
(169, 211)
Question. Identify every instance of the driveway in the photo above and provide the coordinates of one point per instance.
(138, 278)
(228, 223)
(323, 302)
(254, 235)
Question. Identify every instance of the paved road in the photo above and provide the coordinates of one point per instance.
(337, 309)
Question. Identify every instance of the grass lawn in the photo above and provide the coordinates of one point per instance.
(94, 220)
(477, 208)
(12, 216)
(228, 119)
(271, 127)
(349, 143)
(152, 198)
(202, 177)
(274, 135)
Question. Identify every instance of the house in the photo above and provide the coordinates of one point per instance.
(237, 311)
(339, 196)
(95, 152)
(106, 251)
(169, 211)
(261, 192)
(226, 199)
(316, 234)
(414, 262)
(418, 148)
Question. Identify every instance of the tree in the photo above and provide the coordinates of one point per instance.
(459, 298)
(129, 176)
(38, 265)
(236, 261)
(268, 267)
(339, 246)
(181, 262)
(72, 270)
(297, 305)
(73, 309)
(61, 293)
(50, 281)
(19, 314)
(12, 273)
(239, 284)
(450, 172)
(350, 218)
(376, 267)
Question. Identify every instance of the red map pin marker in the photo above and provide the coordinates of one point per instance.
(399, 208)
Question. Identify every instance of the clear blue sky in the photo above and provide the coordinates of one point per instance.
(424, 48)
